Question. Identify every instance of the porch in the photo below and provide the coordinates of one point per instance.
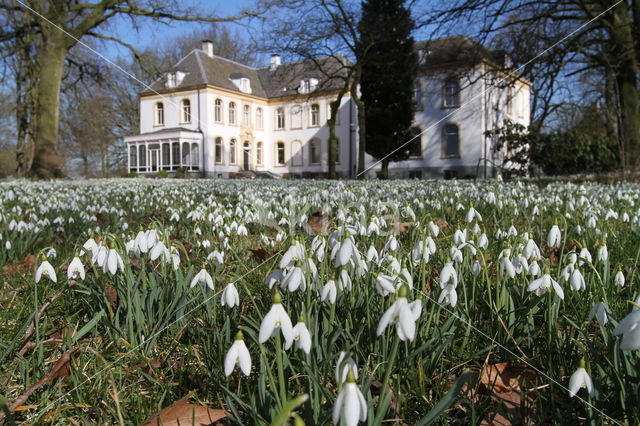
(168, 150)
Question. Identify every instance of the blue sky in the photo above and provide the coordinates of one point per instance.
(150, 33)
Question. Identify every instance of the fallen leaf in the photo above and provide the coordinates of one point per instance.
(182, 413)
(499, 378)
(259, 253)
(112, 296)
(25, 407)
(23, 266)
(318, 221)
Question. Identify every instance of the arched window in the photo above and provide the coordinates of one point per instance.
(232, 113)
(142, 157)
(217, 111)
(451, 141)
(175, 146)
(280, 118)
(246, 115)
(195, 156)
(185, 116)
(314, 151)
(159, 114)
(451, 92)
(186, 157)
(296, 153)
(218, 151)
(280, 153)
(296, 117)
(233, 147)
(133, 157)
(315, 115)
(259, 153)
(259, 119)
(414, 147)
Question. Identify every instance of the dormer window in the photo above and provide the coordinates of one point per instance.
(308, 85)
(174, 79)
(242, 82)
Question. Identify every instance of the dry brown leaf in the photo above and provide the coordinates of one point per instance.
(259, 253)
(112, 296)
(318, 221)
(182, 413)
(499, 378)
(23, 266)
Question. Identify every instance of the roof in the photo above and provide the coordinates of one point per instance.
(201, 69)
(455, 52)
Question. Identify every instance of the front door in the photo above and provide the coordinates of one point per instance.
(154, 159)
(246, 152)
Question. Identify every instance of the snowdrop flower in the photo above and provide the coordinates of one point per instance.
(45, 269)
(276, 319)
(603, 253)
(112, 262)
(384, 284)
(476, 268)
(294, 280)
(629, 327)
(473, 214)
(301, 337)
(329, 292)
(554, 238)
(577, 280)
(343, 367)
(544, 284)
(230, 296)
(295, 251)
(400, 315)
(534, 269)
(584, 256)
(217, 257)
(202, 277)
(580, 379)
(599, 311)
(506, 268)
(449, 295)
(433, 228)
(531, 249)
(619, 279)
(350, 405)
(76, 269)
(238, 354)
(52, 253)
(448, 275)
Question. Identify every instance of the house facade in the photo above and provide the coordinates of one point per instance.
(213, 117)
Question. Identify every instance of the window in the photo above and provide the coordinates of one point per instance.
(259, 153)
(232, 151)
(296, 117)
(246, 115)
(218, 151)
(232, 113)
(414, 147)
(315, 115)
(245, 85)
(217, 111)
(509, 100)
(186, 154)
(329, 112)
(133, 157)
(166, 153)
(308, 85)
(185, 117)
(159, 114)
(280, 118)
(280, 153)
(314, 151)
(175, 147)
(195, 156)
(142, 156)
(451, 92)
(451, 142)
(296, 153)
(418, 95)
(259, 122)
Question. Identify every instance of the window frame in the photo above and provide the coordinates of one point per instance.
(185, 111)
(246, 115)
(314, 122)
(219, 159)
(276, 160)
(419, 138)
(158, 110)
(259, 118)
(280, 121)
(259, 153)
(318, 149)
(232, 112)
(218, 111)
(445, 142)
(233, 152)
(445, 85)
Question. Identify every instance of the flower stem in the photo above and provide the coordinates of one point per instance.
(281, 382)
(382, 408)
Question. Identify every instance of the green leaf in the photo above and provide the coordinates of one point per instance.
(88, 327)
(446, 401)
(288, 407)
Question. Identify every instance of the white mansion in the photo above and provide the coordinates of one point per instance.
(217, 118)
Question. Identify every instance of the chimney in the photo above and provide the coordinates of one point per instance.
(275, 61)
(207, 47)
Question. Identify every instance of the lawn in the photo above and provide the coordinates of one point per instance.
(319, 302)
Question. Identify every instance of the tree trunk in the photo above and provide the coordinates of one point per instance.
(335, 108)
(26, 69)
(384, 169)
(46, 161)
(362, 138)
